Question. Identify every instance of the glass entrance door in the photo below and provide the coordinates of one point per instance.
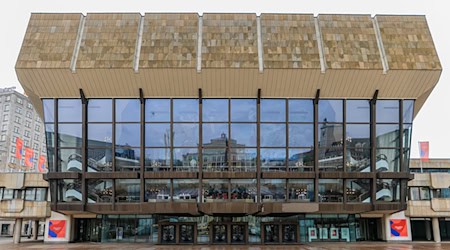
(168, 234)
(238, 234)
(220, 234)
(289, 233)
(271, 233)
(186, 234)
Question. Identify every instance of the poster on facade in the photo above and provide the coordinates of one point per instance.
(399, 228)
(323, 233)
(334, 233)
(345, 235)
(312, 234)
(57, 229)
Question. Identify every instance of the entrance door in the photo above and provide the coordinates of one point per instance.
(229, 233)
(186, 234)
(220, 234)
(177, 233)
(280, 233)
(238, 234)
(271, 233)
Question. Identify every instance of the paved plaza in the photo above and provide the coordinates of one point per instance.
(328, 246)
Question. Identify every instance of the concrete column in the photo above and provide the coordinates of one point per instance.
(17, 231)
(428, 230)
(436, 230)
(35, 229)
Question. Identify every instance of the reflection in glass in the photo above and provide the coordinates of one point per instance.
(215, 190)
(273, 110)
(388, 190)
(185, 135)
(388, 160)
(215, 110)
(69, 135)
(301, 160)
(407, 133)
(49, 110)
(387, 111)
(273, 159)
(331, 159)
(127, 159)
(358, 160)
(358, 190)
(330, 135)
(301, 190)
(157, 110)
(99, 160)
(157, 135)
(358, 135)
(273, 190)
(128, 110)
(128, 134)
(243, 135)
(215, 159)
(408, 111)
(100, 191)
(185, 110)
(69, 190)
(388, 135)
(185, 159)
(243, 110)
(331, 190)
(301, 110)
(157, 190)
(301, 135)
(358, 111)
(330, 110)
(406, 158)
(100, 110)
(128, 190)
(50, 135)
(157, 159)
(50, 159)
(185, 190)
(273, 135)
(69, 110)
(215, 135)
(69, 160)
(99, 135)
(243, 159)
(243, 189)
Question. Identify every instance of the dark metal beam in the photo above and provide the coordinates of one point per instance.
(375, 97)
(316, 100)
(200, 95)
(83, 97)
(141, 95)
(259, 96)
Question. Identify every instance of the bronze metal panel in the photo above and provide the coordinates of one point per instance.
(345, 175)
(393, 175)
(388, 207)
(69, 207)
(358, 208)
(112, 175)
(168, 175)
(175, 208)
(286, 175)
(64, 175)
(232, 175)
(242, 208)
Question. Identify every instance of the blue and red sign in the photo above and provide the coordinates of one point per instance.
(19, 146)
(57, 229)
(399, 228)
(28, 157)
(41, 164)
(424, 149)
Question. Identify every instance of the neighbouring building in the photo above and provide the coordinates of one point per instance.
(227, 128)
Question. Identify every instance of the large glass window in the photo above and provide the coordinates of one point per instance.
(273, 135)
(185, 190)
(70, 160)
(185, 135)
(49, 110)
(99, 160)
(358, 190)
(273, 159)
(127, 159)
(301, 111)
(330, 111)
(69, 110)
(215, 190)
(243, 159)
(243, 135)
(100, 110)
(273, 110)
(157, 135)
(128, 134)
(128, 190)
(300, 190)
(387, 160)
(331, 190)
(185, 110)
(69, 190)
(157, 110)
(243, 110)
(358, 111)
(408, 111)
(157, 190)
(99, 135)
(128, 110)
(301, 160)
(301, 135)
(185, 159)
(157, 159)
(215, 110)
(388, 190)
(100, 191)
(215, 135)
(273, 190)
(387, 111)
(69, 135)
(243, 190)
(215, 159)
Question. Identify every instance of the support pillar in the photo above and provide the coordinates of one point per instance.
(17, 231)
(436, 230)
(35, 229)
(427, 230)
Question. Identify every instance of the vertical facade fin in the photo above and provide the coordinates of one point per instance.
(323, 65)
(76, 49)
(137, 50)
(384, 61)
(199, 44)
(260, 45)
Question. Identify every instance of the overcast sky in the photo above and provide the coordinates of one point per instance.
(431, 124)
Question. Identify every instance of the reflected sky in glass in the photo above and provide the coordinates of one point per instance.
(243, 110)
(128, 135)
(157, 135)
(388, 135)
(185, 135)
(408, 111)
(69, 135)
(215, 134)
(185, 110)
(128, 110)
(157, 110)
(388, 111)
(301, 135)
(330, 110)
(273, 135)
(244, 134)
(301, 110)
(215, 110)
(358, 135)
(69, 110)
(49, 110)
(100, 110)
(273, 110)
(358, 111)
(99, 135)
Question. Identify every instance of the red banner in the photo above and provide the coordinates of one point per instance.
(41, 164)
(424, 149)
(19, 146)
(28, 157)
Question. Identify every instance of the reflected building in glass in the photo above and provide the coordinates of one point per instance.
(248, 132)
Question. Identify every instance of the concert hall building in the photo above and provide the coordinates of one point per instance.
(227, 128)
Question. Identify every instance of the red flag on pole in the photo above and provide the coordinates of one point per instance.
(28, 157)
(424, 149)
(19, 146)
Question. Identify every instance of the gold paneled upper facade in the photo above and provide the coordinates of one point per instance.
(228, 55)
